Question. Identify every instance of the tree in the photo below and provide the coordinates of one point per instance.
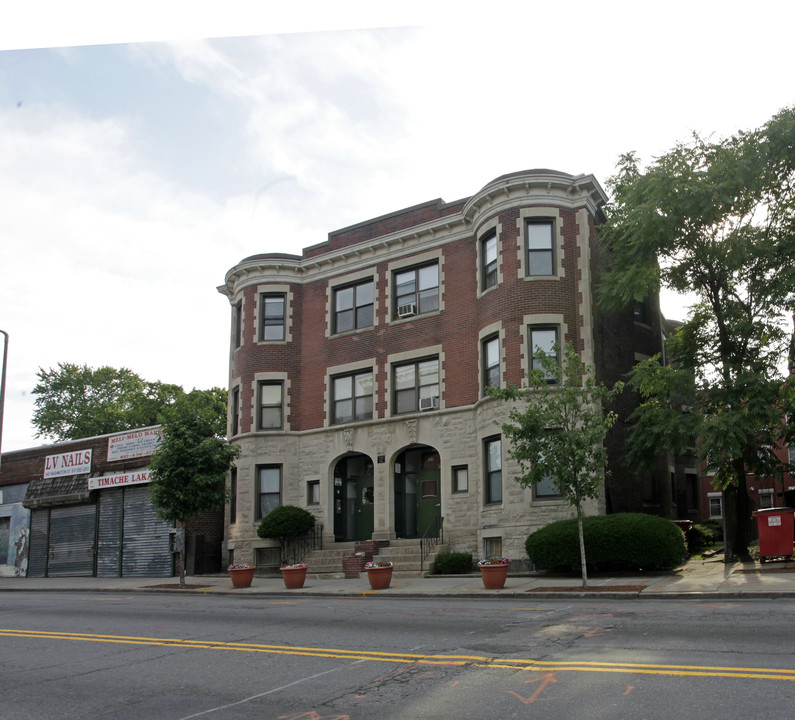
(716, 219)
(76, 401)
(558, 430)
(189, 466)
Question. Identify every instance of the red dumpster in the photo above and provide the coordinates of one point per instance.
(776, 532)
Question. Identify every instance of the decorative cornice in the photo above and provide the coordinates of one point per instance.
(543, 187)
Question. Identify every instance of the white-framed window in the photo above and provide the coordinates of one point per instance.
(493, 462)
(313, 492)
(491, 361)
(269, 489)
(766, 498)
(417, 290)
(354, 306)
(488, 260)
(715, 505)
(272, 316)
(460, 479)
(352, 397)
(235, 410)
(492, 547)
(416, 385)
(270, 403)
(546, 490)
(237, 324)
(540, 244)
(545, 338)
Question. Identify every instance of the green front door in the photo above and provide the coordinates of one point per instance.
(417, 491)
(353, 499)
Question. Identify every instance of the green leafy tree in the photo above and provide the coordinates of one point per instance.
(75, 401)
(715, 219)
(557, 429)
(189, 466)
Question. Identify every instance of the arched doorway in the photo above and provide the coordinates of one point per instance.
(417, 490)
(353, 498)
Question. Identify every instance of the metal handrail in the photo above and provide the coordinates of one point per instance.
(431, 538)
(303, 545)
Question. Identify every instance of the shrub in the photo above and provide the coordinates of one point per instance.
(706, 534)
(627, 541)
(286, 521)
(453, 563)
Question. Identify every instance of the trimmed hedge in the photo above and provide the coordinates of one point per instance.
(286, 521)
(626, 541)
(452, 563)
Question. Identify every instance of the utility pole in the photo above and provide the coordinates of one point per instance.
(3, 388)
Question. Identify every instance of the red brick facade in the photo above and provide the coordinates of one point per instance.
(310, 443)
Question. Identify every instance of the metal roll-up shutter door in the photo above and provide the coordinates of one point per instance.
(37, 552)
(73, 531)
(109, 533)
(145, 548)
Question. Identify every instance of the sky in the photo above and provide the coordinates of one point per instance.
(147, 148)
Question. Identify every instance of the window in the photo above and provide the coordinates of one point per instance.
(270, 406)
(492, 547)
(765, 499)
(352, 397)
(488, 260)
(235, 411)
(238, 323)
(715, 505)
(493, 470)
(540, 247)
(353, 307)
(791, 454)
(641, 312)
(417, 386)
(545, 339)
(272, 308)
(491, 362)
(269, 486)
(417, 290)
(233, 495)
(313, 492)
(546, 489)
(460, 479)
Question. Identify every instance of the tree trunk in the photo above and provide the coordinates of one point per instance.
(583, 565)
(183, 557)
(737, 515)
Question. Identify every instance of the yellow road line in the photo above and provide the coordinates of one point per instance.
(431, 659)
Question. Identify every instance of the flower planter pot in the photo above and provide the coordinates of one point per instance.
(494, 576)
(294, 578)
(379, 577)
(242, 578)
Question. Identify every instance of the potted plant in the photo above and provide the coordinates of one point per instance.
(294, 575)
(494, 571)
(241, 574)
(379, 573)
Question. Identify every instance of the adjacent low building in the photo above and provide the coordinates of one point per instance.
(82, 508)
(358, 369)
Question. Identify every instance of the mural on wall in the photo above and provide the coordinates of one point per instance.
(14, 540)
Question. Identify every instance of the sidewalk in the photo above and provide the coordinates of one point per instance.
(699, 578)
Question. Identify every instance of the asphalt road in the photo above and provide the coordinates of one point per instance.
(172, 657)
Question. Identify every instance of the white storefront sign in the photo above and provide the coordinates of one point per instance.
(133, 444)
(137, 477)
(69, 463)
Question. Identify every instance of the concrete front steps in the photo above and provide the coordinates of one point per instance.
(405, 554)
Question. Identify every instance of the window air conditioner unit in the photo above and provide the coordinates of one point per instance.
(429, 403)
(407, 310)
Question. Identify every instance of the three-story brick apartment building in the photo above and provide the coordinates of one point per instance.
(358, 369)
